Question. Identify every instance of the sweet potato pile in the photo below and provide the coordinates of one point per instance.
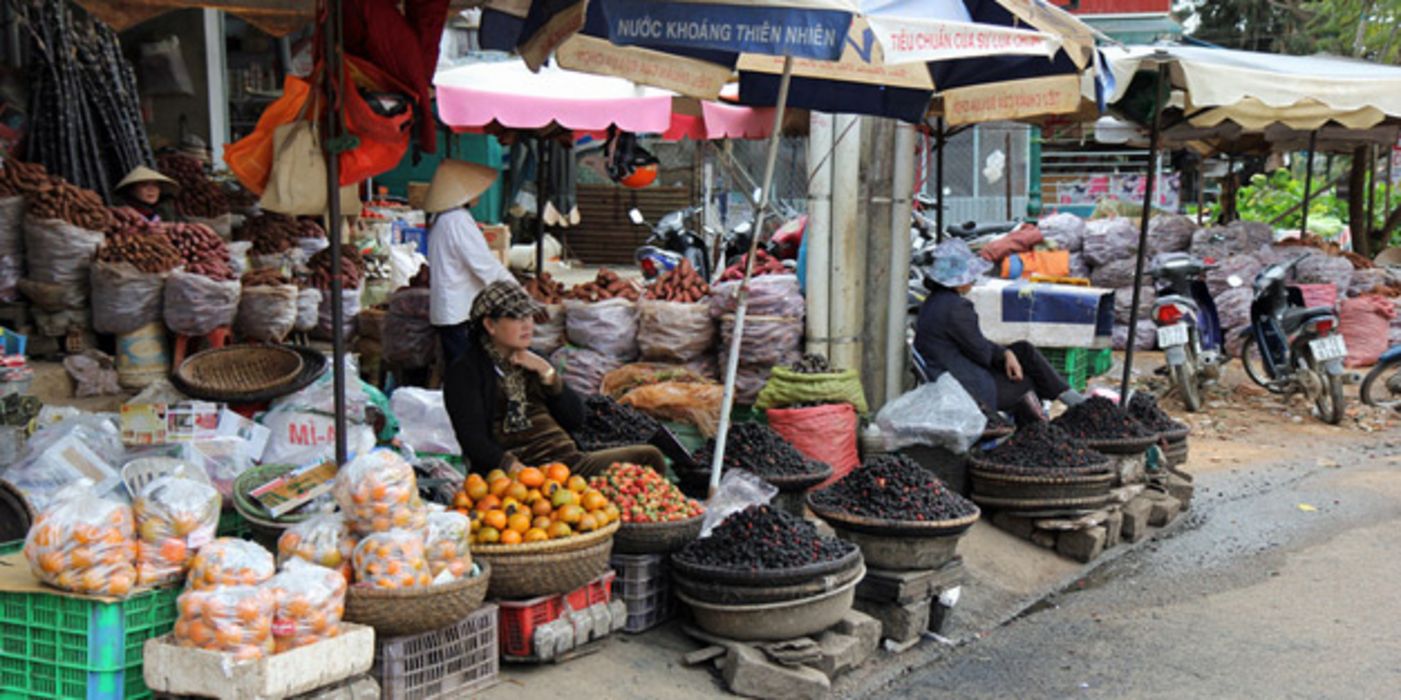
(683, 284)
(607, 285)
(545, 289)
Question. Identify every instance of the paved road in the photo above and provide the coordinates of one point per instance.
(1284, 584)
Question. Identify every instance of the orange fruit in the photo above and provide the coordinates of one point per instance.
(557, 472)
(541, 522)
(536, 534)
(594, 500)
(517, 491)
(476, 488)
(531, 477)
(532, 496)
(462, 500)
(541, 507)
(511, 505)
(499, 486)
(511, 537)
(494, 474)
(564, 497)
(571, 514)
(495, 519)
(612, 512)
(587, 523)
(600, 517)
(488, 535)
(577, 484)
(488, 503)
(558, 530)
(520, 522)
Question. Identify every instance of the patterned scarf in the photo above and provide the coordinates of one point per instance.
(513, 381)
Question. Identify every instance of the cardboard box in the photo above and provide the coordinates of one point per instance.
(173, 670)
(162, 424)
(498, 236)
(418, 191)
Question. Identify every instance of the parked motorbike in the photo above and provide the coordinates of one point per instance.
(1290, 348)
(784, 244)
(1189, 329)
(671, 242)
(1382, 387)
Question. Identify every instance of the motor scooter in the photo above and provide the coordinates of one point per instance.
(669, 243)
(1379, 389)
(1290, 348)
(1189, 328)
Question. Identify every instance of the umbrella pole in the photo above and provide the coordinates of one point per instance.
(732, 361)
(940, 140)
(1159, 100)
(540, 159)
(332, 74)
(1308, 182)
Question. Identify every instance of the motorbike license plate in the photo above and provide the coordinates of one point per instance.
(1329, 348)
(1171, 336)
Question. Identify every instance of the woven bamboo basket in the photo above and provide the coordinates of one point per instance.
(769, 577)
(1121, 446)
(546, 568)
(406, 611)
(266, 529)
(991, 482)
(882, 526)
(240, 368)
(656, 538)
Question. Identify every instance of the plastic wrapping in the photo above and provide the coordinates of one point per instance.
(308, 310)
(738, 490)
(940, 413)
(769, 295)
(685, 402)
(409, 339)
(620, 381)
(447, 544)
(175, 516)
(768, 340)
(1365, 323)
(583, 369)
(1170, 233)
(1079, 267)
(1116, 274)
(324, 539)
(549, 332)
(302, 425)
(84, 544)
(608, 327)
(826, 433)
(11, 246)
(94, 373)
(425, 421)
(1323, 269)
(1233, 307)
(1123, 303)
(1107, 240)
(1066, 230)
(234, 620)
(195, 305)
(78, 447)
(228, 561)
(124, 298)
(1246, 267)
(57, 257)
(673, 331)
(393, 559)
(239, 259)
(1240, 238)
(787, 388)
(378, 492)
(310, 601)
(350, 308)
(267, 314)
(751, 379)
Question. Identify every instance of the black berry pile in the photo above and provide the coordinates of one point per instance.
(757, 448)
(1099, 418)
(891, 487)
(1144, 408)
(812, 364)
(760, 538)
(1042, 447)
(608, 424)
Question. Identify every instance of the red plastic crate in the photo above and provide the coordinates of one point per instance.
(519, 618)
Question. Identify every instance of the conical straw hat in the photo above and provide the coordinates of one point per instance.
(142, 173)
(456, 183)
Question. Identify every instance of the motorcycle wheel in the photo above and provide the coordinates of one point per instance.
(1380, 390)
(1185, 375)
(1330, 401)
(1254, 365)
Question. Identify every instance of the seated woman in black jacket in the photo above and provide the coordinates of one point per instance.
(947, 337)
(508, 406)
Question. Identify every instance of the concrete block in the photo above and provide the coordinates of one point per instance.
(1136, 514)
(1044, 538)
(865, 628)
(701, 656)
(902, 587)
(900, 623)
(1113, 528)
(1181, 489)
(749, 673)
(1065, 524)
(1163, 511)
(1017, 527)
(1082, 545)
(839, 653)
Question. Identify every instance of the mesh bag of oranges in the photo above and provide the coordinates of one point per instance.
(174, 518)
(235, 620)
(532, 504)
(379, 493)
(230, 562)
(392, 560)
(324, 539)
(85, 544)
(310, 601)
(448, 543)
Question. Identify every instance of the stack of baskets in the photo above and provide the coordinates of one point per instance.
(898, 545)
(546, 568)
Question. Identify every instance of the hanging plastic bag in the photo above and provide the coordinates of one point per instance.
(549, 333)
(324, 539)
(196, 305)
(409, 340)
(425, 421)
(583, 369)
(234, 620)
(738, 490)
(608, 327)
(175, 516)
(823, 433)
(230, 562)
(310, 601)
(378, 492)
(84, 544)
(940, 414)
(448, 544)
(673, 331)
(786, 387)
(767, 341)
(267, 314)
(124, 298)
(392, 560)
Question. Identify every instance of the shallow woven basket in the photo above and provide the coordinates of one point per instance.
(732, 594)
(546, 568)
(1172, 436)
(996, 484)
(405, 611)
(1045, 506)
(883, 526)
(266, 529)
(656, 538)
(1121, 446)
(769, 577)
(240, 369)
(16, 513)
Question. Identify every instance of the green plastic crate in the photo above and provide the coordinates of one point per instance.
(231, 524)
(11, 547)
(1101, 361)
(1073, 364)
(53, 646)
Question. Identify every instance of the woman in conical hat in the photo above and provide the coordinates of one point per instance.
(144, 190)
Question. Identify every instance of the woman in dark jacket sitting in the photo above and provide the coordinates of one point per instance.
(508, 406)
(947, 337)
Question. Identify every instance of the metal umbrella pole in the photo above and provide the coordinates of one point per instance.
(1308, 182)
(732, 362)
(940, 140)
(540, 157)
(330, 137)
(1159, 100)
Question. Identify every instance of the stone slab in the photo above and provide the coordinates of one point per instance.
(899, 623)
(903, 587)
(749, 673)
(1082, 545)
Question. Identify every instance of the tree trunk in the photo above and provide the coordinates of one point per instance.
(1357, 200)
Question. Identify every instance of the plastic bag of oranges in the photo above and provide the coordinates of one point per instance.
(448, 544)
(324, 539)
(85, 544)
(230, 562)
(174, 518)
(310, 602)
(235, 620)
(393, 559)
(379, 493)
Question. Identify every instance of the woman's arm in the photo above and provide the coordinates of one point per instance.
(963, 327)
(565, 405)
(471, 418)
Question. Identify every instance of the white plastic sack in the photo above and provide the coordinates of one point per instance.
(1078, 266)
(303, 424)
(582, 369)
(1067, 230)
(57, 257)
(308, 309)
(768, 340)
(1117, 273)
(607, 327)
(404, 263)
(939, 414)
(350, 308)
(1107, 240)
(11, 246)
(423, 420)
(124, 298)
(1246, 267)
(267, 314)
(769, 295)
(1123, 303)
(738, 490)
(239, 259)
(1322, 269)
(1170, 233)
(549, 334)
(196, 305)
(674, 332)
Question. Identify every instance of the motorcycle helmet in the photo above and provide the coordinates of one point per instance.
(629, 164)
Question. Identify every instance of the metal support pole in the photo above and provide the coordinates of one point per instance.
(940, 139)
(541, 158)
(1308, 182)
(1158, 102)
(332, 75)
(1007, 186)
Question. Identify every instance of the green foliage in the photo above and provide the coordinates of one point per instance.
(1267, 198)
(1299, 27)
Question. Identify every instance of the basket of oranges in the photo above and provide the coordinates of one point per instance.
(543, 530)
